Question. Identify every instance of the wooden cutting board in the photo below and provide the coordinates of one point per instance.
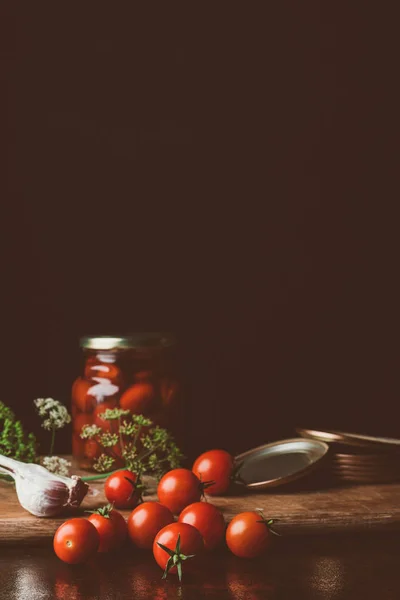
(353, 508)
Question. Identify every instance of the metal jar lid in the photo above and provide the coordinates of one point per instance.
(279, 463)
(138, 341)
(351, 439)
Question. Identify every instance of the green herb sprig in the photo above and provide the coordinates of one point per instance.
(134, 440)
(14, 441)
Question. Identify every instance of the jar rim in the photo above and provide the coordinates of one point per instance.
(138, 340)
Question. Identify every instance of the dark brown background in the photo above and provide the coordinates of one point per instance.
(227, 173)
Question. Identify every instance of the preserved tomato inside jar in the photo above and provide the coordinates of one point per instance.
(139, 398)
(138, 373)
(95, 370)
(81, 400)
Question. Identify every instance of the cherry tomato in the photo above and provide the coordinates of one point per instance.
(217, 466)
(76, 541)
(146, 521)
(121, 526)
(80, 420)
(81, 398)
(138, 398)
(96, 369)
(208, 520)
(248, 535)
(106, 530)
(111, 527)
(120, 489)
(181, 539)
(179, 488)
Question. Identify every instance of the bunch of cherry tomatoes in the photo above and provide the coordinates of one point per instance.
(200, 527)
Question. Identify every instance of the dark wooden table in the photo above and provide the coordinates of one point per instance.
(364, 566)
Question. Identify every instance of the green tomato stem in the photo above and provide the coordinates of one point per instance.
(99, 476)
(136, 437)
(121, 441)
(53, 437)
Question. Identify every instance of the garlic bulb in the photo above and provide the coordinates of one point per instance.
(40, 492)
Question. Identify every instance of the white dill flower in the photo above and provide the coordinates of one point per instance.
(113, 413)
(56, 465)
(103, 463)
(108, 440)
(89, 431)
(55, 412)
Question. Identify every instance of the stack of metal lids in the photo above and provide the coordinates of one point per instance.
(356, 458)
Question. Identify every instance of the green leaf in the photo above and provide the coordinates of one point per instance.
(267, 523)
(167, 550)
(104, 511)
(168, 566)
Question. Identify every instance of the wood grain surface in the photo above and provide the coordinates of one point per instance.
(336, 509)
(331, 567)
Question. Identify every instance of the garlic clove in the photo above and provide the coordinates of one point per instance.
(40, 492)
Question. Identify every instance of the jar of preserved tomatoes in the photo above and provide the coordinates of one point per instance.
(138, 373)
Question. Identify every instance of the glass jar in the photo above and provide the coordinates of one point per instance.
(137, 373)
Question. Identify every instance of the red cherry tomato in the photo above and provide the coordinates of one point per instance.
(81, 399)
(146, 521)
(138, 398)
(190, 542)
(121, 526)
(106, 530)
(248, 535)
(111, 527)
(80, 420)
(179, 488)
(76, 541)
(120, 489)
(217, 466)
(97, 369)
(208, 520)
